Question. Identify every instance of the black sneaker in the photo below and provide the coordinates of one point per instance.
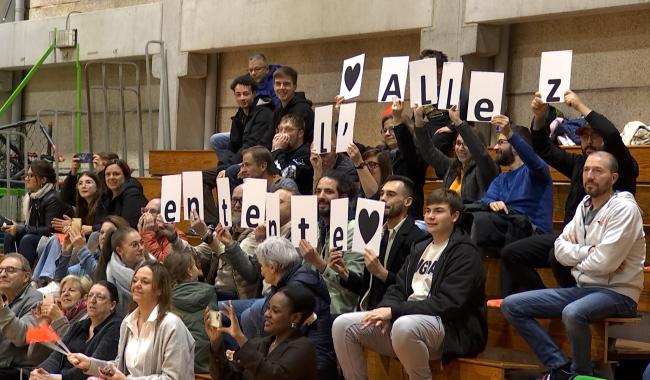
(562, 373)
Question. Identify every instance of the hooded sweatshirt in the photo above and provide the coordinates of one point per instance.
(128, 202)
(189, 300)
(300, 106)
(610, 251)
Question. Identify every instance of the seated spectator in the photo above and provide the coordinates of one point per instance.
(373, 167)
(605, 245)
(125, 196)
(252, 124)
(189, 299)
(329, 161)
(522, 257)
(71, 307)
(97, 336)
(262, 73)
(69, 187)
(79, 258)
(17, 300)
(284, 352)
(169, 351)
(280, 266)
(442, 134)
(436, 308)
(520, 200)
(397, 134)
(333, 185)
(240, 256)
(291, 153)
(159, 238)
(88, 205)
(471, 171)
(285, 83)
(41, 204)
(257, 162)
(118, 261)
(398, 234)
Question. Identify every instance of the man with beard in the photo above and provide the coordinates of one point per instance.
(605, 245)
(520, 201)
(398, 234)
(333, 185)
(522, 257)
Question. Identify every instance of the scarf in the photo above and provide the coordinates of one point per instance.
(73, 311)
(27, 201)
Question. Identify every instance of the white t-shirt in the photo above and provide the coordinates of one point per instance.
(421, 283)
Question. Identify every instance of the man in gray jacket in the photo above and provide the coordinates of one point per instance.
(604, 244)
(17, 299)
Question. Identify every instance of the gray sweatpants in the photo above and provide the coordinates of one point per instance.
(413, 339)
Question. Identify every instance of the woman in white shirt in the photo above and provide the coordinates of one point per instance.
(154, 343)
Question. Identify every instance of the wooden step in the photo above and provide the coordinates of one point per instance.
(163, 162)
(630, 349)
(389, 368)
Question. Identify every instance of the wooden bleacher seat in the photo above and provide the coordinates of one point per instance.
(162, 162)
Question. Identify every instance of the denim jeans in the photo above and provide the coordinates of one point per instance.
(578, 307)
(220, 142)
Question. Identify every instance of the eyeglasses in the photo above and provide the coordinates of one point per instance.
(236, 200)
(389, 129)
(372, 165)
(96, 297)
(145, 210)
(10, 270)
(256, 69)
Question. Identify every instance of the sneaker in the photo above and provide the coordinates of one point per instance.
(562, 373)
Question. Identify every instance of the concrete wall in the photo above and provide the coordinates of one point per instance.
(319, 67)
(39, 9)
(610, 63)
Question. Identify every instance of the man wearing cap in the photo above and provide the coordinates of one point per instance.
(598, 133)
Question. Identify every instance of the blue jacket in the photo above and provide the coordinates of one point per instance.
(265, 87)
(527, 190)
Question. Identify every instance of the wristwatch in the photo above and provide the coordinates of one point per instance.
(360, 166)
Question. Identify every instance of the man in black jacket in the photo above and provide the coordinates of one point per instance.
(252, 124)
(285, 83)
(522, 257)
(399, 233)
(291, 153)
(435, 309)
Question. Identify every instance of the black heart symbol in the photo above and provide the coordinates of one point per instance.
(368, 224)
(351, 75)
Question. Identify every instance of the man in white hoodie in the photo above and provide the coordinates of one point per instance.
(605, 246)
